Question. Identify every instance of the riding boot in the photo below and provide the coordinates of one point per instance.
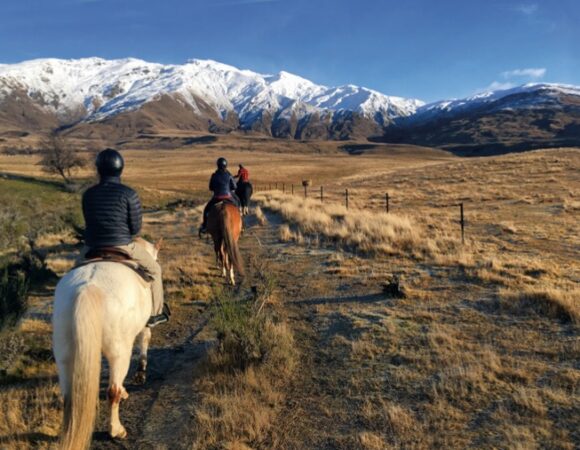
(160, 318)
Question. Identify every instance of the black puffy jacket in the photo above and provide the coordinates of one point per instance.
(222, 183)
(112, 213)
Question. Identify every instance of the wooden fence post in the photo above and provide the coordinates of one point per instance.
(462, 222)
(321, 194)
(305, 191)
(292, 188)
(387, 201)
(346, 197)
(283, 188)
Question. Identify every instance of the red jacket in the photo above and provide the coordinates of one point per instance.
(243, 174)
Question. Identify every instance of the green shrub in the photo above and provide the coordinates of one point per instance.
(13, 293)
(239, 331)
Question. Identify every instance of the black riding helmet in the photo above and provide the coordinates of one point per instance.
(109, 163)
(222, 163)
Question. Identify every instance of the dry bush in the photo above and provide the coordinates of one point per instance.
(244, 376)
(546, 301)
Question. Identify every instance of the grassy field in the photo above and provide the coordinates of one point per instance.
(477, 349)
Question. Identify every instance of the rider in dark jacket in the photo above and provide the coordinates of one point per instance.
(113, 218)
(222, 185)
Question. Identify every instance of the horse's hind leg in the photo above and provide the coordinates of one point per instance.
(118, 367)
(224, 260)
(144, 338)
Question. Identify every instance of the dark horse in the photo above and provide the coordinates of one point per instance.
(244, 193)
(224, 224)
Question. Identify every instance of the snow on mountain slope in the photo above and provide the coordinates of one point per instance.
(531, 95)
(103, 88)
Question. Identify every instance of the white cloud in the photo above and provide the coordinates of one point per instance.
(534, 73)
(527, 9)
(243, 2)
(499, 86)
(513, 78)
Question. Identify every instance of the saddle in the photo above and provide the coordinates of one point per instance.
(114, 254)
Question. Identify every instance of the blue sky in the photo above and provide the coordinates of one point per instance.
(427, 49)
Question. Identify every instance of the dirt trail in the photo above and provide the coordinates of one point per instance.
(160, 413)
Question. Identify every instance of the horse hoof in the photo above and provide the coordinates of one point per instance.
(121, 433)
(140, 377)
(124, 395)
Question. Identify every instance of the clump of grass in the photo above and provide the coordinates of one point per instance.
(391, 423)
(245, 373)
(30, 410)
(546, 301)
(260, 217)
(239, 331)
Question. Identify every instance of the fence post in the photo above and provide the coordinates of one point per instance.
(387, 201)
(283, 188)
(292, 188)
(462, 222)
(346, 197)
(321, 194)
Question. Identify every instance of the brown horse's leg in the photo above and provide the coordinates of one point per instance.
(225, 261)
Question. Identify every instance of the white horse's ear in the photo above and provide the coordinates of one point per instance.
(158, 244)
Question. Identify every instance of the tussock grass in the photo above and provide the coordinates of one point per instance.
(546, 301)
(363, 230)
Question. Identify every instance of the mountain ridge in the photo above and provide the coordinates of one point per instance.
(129, 96)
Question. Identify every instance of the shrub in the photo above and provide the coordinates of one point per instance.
(13, 293)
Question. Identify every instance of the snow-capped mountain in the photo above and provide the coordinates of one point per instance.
(94, 89)
(116, 100)
(529, 116)
(527, 96)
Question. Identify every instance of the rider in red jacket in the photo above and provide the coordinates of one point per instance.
(243, 174)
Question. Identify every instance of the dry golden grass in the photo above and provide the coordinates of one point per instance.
(238, 408)
(547, 301)
(481, 354)
(366, 231)
(30, 414)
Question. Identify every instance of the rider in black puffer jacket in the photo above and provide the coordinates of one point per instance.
(113, 218)
(112, 213)
(223, 186)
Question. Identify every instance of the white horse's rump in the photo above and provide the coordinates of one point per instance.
(98, 308)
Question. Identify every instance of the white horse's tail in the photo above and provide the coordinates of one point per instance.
(81, 396)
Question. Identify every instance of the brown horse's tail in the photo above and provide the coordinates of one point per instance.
(231, 226)
(82, 388)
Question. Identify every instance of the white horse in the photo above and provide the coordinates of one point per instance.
(98, 308)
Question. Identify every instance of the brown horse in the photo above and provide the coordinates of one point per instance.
(224, 224)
